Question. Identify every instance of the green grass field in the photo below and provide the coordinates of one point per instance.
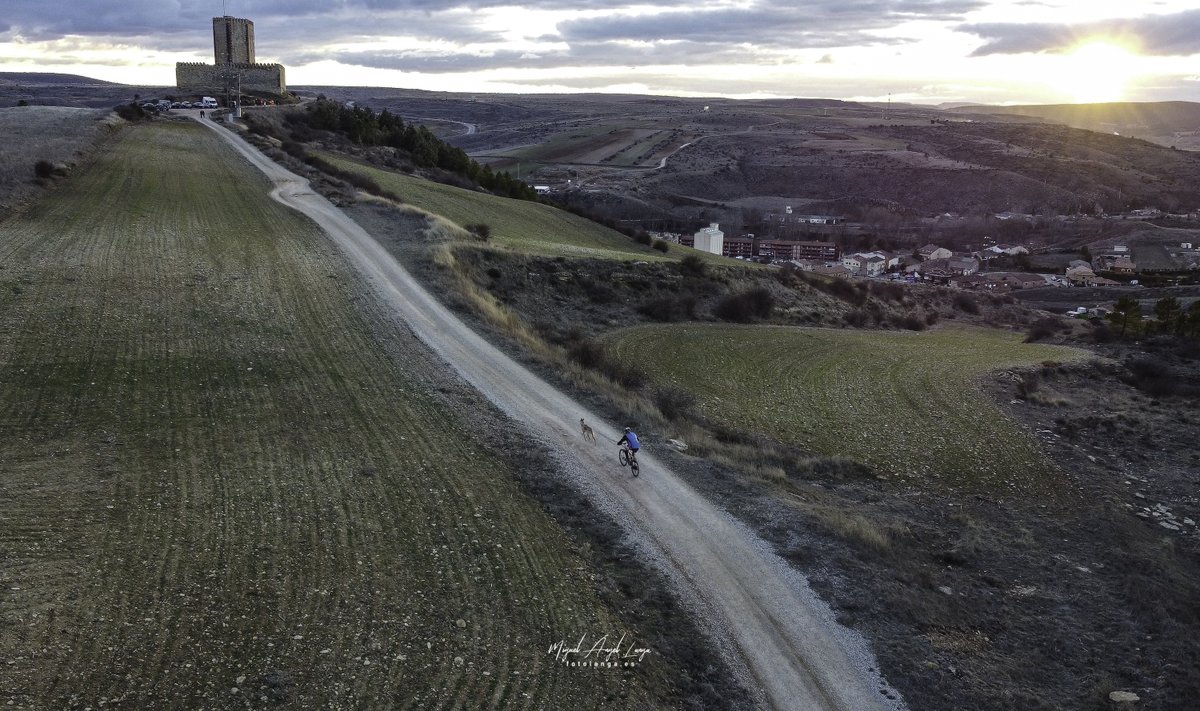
(908, 404)
(522, 226)
(221, 487)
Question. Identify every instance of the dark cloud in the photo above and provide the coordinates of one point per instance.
(41, 20)
(770, 23)
(602, 54)
(435, 64)
(1176, 34)
(682, 32)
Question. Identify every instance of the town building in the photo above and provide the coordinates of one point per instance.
(710, 239)
(738, 247)
(826, 251)
(932, 251)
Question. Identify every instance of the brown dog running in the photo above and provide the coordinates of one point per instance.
(588, 434)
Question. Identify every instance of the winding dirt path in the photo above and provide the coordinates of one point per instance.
(778, 636)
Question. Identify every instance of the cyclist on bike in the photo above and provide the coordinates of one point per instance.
(630, 439)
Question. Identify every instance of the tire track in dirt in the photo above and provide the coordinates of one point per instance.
(758, 612)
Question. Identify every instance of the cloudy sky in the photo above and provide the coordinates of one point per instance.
(928, 51)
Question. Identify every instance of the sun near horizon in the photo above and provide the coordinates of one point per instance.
(1095, 71)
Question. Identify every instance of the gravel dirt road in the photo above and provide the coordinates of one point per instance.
(778, 636)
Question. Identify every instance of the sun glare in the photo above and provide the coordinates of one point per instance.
(1094, 72)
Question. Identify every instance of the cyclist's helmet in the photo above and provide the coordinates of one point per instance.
(629, 429)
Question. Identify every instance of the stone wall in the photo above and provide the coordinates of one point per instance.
(209, 80)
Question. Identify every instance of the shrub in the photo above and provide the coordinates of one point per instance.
(746, 306)
(912, 322)
(932, 317)
(856, 318)
(1042, 329)
(845, 290)
(587, 353)
(624, 375)
(674, 403)
(669, 308)
(1101, 333)
(294, 149)
(887, 290)
(43, 169)
(131, 111)
(692, 265)
(643, 237)
(835, 468)
(966, 303)
(1028, 384)
(661, 246)
(598, 293)
(590, 354)
(787, 276)
(1154, 377)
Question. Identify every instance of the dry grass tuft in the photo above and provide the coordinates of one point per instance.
(855, 528)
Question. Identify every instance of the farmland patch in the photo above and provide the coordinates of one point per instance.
(907, 404)
(225, 485)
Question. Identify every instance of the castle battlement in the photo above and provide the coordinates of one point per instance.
(234, 65)
(216, 79)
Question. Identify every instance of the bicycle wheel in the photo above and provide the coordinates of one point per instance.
(623, 455)
(633, 465)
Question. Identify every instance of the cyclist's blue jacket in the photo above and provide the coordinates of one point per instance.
(631, 438)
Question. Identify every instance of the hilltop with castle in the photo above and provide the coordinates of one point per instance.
(235, 68)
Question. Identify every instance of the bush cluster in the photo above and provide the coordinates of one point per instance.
(911, 322)
(888, 290)
(131, 111)
(669, 308)
(361, 125)
(590, 354)
(1042, 329)
(843, 289)
(966, 303)
(482, 232)
(745, 307)
(692, 266)
(1155, 377)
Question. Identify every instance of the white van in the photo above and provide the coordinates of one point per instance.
(208, 102)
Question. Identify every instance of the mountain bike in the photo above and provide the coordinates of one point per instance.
(628, 458)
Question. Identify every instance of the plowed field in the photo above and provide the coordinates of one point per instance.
(221, 485)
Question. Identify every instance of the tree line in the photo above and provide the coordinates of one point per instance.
(362, 125)
(1169, 318)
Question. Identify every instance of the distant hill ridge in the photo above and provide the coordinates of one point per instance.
(1154, 116)
(11, 78)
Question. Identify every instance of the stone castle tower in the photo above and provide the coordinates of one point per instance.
(233, 40)
(233, 49)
